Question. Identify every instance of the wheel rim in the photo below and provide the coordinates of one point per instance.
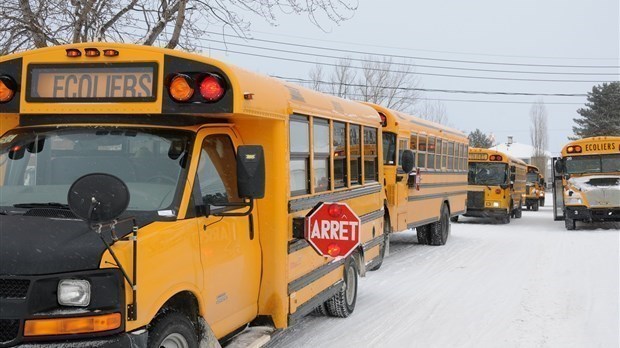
(174, 340)
(350, 281)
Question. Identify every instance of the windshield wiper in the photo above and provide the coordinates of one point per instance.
(42, 205)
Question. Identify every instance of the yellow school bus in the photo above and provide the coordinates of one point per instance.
(496, 185)
(425, 175)
(534, 196)
(218, 165)
(586, 183)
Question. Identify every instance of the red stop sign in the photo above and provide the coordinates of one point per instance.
(333, 229)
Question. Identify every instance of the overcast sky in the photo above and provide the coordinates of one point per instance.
(538, 32)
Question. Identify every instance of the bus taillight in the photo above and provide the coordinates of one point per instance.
(73, 52)
(212, 88)
(7, 88)
(181, 88)
(91, 52)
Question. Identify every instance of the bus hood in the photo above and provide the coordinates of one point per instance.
(598, 190)
(37, 245)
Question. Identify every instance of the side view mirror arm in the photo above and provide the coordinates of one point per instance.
(249, 204)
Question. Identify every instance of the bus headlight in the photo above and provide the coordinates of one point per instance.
(495, 204)
(74, 292)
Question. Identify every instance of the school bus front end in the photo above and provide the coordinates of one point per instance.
(534, 196)
(587, 181)
(200, 245)
(496, 185)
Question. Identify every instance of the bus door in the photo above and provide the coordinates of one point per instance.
(558, 192)
(230, 250)
(402, 190)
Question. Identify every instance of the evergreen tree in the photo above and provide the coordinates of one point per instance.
(601, 115)
(479, 139)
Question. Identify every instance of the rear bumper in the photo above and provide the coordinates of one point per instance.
(135, 339)
(487, 213)
(595, 214)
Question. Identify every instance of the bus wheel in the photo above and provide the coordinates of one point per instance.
(519, 211)
(384, 246)
(172, 330)
(542, 202)
(424, 234)
(535, 206)
(570, 224)
(342, 304)
(505, 219)
(319, 311)
(440, 230)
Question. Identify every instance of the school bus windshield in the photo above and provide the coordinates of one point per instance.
(38, 165)
(532, 177)
(593, 164)
(483, 173)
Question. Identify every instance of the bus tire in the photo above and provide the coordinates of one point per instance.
(319, 311)
(519, 211)
(570, 224)
(454, 218)
(342, 304)
(535, 206)
(424, 234)
(505, 219)
(440, 230)
(383, 246)
(172, 329)
(542, 202)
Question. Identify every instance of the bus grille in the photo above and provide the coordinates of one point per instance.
(475, 199)
(14, 288)
(9, 328)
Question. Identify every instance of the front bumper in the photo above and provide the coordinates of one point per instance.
(486, 213)
(582, 213)
(137, 339)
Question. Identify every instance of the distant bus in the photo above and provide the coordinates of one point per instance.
(431, 192)
(221, 165)
(534, 196)
(586, 181)
(496, 185)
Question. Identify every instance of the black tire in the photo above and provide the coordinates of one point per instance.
(440, 230)
(342, 304)
(170, 330)
(541, 202)
(505, 219)
(424, 234)
(535, 206)
(454, 218)
(519, 211)
(570, 224)
(319, 311)
(386, 239)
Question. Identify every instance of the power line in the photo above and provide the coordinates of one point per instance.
(418, 65)
(392, 71)
(431, 51)
(424, 58)
(300, 80)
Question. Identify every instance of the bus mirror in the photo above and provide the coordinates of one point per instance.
(98, 198)
(251, 171)
(407, 161)
(559, 166)
(176, 149)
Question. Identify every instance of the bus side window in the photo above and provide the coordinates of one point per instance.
(340, 155)
(389, 149)
(217, 171)
(355, 152)
(413, 145)
(371, 163)
(422, 151)
(431, 153)
(402, 146)
(438, 153)
(300, 155)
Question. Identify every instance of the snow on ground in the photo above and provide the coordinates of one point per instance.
(527, 284)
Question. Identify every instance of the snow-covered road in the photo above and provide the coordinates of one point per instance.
(527, 284)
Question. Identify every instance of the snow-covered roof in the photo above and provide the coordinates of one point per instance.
(518, 150)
